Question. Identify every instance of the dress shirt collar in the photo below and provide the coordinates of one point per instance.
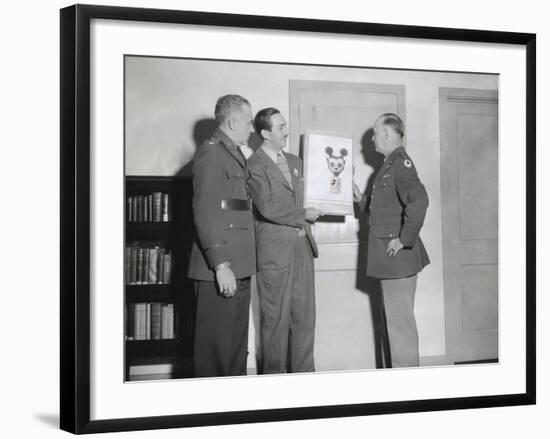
(272, 154)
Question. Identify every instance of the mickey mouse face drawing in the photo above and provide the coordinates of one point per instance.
(336, 163)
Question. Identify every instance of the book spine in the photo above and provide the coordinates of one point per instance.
(165, 208)
(139, 279)
(167, 268)
(157, 206)
(140, 323)
(146, 252)
(133, 265)
(127, 258)
(130, 321)
(171, 334)
(156, 321)
(153, 262)
(145, 209)
(164, 321)
(139, 209)
(148, 322)
(160, 266)
(129, 210)
(134, 208)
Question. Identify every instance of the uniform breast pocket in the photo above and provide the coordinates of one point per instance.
(233, 173)
(236, 183)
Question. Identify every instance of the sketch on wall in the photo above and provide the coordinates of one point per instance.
(328, 173)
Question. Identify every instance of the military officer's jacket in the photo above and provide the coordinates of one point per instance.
(221, 210)
(397, 210)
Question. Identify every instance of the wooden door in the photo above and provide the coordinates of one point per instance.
(469, 195)
(347, 304)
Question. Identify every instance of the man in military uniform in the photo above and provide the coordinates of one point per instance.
(395, 251)
(286, 249)
(223, 256)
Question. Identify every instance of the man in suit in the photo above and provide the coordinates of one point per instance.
(395, 253)
(223, 255)
(285, 250)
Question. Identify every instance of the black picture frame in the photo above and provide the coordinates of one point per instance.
(75, 217)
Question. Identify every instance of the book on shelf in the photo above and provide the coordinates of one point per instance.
(153, 264)
(150, 321)
(139, 277)
(151, 207)
(130, 321)
(127, 259)
(157, 206)
(133, 264)
(156, 322)
(139, 210)
(147, 265)
(167, 268)
(165, 208)
(130, 209)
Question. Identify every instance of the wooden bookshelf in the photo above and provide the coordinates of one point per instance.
(174, 235)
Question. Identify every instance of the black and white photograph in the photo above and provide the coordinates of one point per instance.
(388, 259)
(275, 217)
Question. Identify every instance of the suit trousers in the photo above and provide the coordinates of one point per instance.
(221, 330)
(287, 312)
(398, 305)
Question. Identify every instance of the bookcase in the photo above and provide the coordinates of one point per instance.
(159, 298)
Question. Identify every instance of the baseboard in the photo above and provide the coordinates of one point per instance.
(434, 360)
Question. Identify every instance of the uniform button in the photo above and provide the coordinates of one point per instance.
(230, 225)
(391, 235)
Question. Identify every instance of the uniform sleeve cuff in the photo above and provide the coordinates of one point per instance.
(217, 255)
(408, 239)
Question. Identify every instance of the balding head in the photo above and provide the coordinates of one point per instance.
(388, 132)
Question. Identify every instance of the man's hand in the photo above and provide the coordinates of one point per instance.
(226, 280)
(357, 194)
(394, 246)
(312, 214)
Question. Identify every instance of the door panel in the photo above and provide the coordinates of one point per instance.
(469, 192)
(477, 171)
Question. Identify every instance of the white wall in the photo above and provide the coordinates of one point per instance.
(167, 97)
(30, 138)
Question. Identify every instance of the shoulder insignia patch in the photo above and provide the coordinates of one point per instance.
(407, 163)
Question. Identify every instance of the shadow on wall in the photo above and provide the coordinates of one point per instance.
(369, 285)
(202, 131)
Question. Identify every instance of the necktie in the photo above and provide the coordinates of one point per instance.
(283, 166)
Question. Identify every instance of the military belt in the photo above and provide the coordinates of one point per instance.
(235, 204)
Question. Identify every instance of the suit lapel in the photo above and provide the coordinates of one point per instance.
(273, 169)
(294, 173)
